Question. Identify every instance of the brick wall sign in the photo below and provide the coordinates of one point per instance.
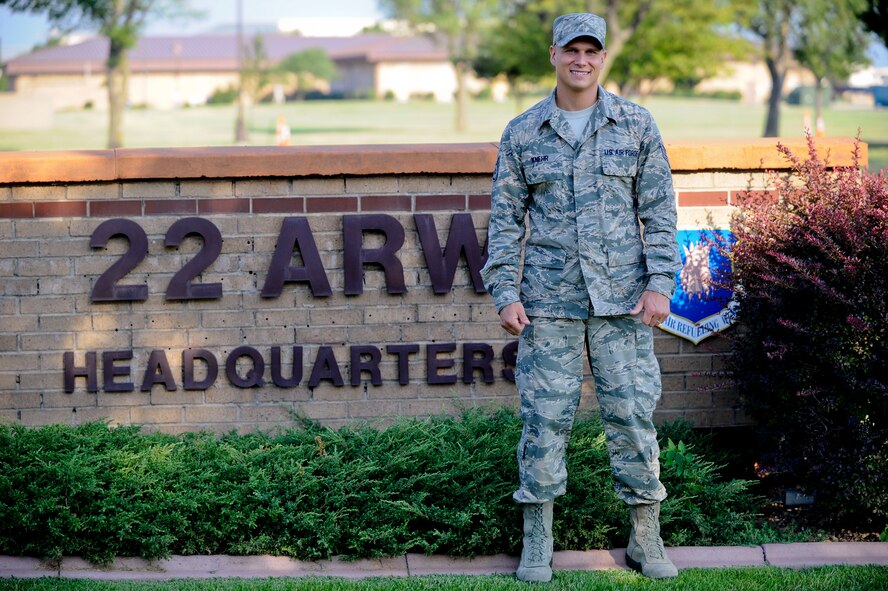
(236, 288)
(247, 366)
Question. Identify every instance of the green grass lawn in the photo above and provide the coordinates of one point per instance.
(844, 578)
(380, 122)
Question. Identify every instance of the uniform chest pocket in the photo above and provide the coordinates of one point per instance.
(542, 172)
(619, 165)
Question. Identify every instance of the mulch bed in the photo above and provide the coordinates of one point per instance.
(809, 518)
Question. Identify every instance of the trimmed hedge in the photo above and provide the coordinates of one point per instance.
(441, 485)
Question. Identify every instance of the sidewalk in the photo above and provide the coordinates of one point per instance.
(203, 567)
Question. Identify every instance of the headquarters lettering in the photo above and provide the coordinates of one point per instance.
(246, 367)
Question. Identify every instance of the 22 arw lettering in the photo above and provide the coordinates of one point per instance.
(295, 236)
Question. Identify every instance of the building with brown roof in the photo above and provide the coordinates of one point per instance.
(166, 72)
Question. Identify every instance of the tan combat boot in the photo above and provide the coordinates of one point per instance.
(536, 557)
(645, 552)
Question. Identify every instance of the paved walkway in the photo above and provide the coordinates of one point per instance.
(202, 567)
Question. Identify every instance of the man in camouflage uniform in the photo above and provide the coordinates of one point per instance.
(585, 174)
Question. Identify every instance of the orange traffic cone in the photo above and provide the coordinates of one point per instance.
(282, 132)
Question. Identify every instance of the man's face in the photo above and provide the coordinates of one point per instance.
(578, 64)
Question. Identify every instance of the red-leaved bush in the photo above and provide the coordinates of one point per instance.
(811, 361)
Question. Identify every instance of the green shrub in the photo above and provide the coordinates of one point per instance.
(223, 96)
(812, 359)
(690, 92)
(440, 485)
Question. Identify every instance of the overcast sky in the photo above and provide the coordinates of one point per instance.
(19, 32)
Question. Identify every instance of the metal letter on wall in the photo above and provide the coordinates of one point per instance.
(158, 372)
(88, 371)
(180, 286)
(325, 368)
(355, 256)
(472, 362)
(253, 379)
(370, 365)
(106, 288)
(434, 363)
(188, 357)
(460, 240)
(295, 232)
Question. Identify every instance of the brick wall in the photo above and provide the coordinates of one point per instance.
(380, 352)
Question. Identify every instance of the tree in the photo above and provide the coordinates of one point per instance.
(121, 21)
(624, 19)
(460, 23)
(684, 41)
(772, 21)
(255, 72)
(516, 47)
(831, 41)
(306, 66)
(799, 27)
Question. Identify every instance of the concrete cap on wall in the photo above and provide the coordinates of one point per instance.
(237, 162)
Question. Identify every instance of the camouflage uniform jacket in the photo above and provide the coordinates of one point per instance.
(583, 201)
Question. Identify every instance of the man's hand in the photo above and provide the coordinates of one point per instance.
(513, 318)
(654, 307)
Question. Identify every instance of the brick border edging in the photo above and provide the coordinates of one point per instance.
(797, 555)
(203, 206)
(131, 164)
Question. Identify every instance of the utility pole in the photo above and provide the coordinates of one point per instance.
(240, 126)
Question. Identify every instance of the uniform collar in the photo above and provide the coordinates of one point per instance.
(605, 106)
(603, 114)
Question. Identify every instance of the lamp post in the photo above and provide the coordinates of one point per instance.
(240, 126)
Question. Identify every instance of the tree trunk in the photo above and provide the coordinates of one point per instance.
(240, 125)
(462, 96)
(616, 38)
(777, 53)
(772, 123)
(818, 99)
(618, 33)
(517, 93)
(118, 77)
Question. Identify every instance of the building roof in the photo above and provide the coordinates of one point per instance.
(218, 53)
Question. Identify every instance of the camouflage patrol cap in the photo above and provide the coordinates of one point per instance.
(568, 27)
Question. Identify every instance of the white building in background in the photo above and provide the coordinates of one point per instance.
(167, 72)
(869, 76)
(319, 26)
(753, 81)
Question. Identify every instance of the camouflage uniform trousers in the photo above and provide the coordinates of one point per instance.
(549, 375)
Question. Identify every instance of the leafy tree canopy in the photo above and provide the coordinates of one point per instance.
(831, 38)
(313, 61)
(119, 20)
(685, 42)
